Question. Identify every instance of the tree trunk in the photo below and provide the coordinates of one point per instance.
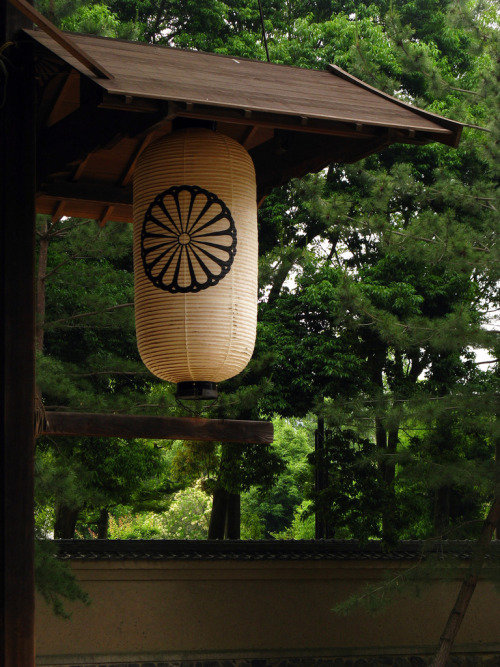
(468, 586)
(103, 524)
(65, 523)
(233, 516)
(324, 528)
(217, 526)
(386, 441)
(441, 510)
(387, 445)
(225, 517)
(389, 514)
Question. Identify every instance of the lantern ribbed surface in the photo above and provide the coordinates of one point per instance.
(195, 256)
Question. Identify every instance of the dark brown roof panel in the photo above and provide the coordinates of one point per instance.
(292, 121)
(162, 73)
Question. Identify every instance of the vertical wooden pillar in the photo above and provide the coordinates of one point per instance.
(17, 216)
(497, 472)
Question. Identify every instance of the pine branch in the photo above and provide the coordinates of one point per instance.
(87, 408)
(468, 587)
(434, 241)
(87, 375)
(61, 264)
(89, 314)
(468, 92)
(49, 232)
(158, 20)
(63, 231)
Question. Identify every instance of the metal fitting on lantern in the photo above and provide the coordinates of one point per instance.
(196, 391)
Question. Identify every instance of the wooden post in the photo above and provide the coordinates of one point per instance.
(17, 386)
(497, 473)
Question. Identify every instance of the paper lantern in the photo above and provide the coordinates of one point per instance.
(195, 259)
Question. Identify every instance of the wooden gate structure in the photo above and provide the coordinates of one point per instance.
(75, 113)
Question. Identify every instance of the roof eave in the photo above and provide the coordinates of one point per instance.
(453, 126)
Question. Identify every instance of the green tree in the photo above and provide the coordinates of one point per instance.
(88, 361)
(188, 516)
(271, 510)
(402, 272)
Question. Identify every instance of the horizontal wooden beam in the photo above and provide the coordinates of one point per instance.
(105, 195)
(160, 428)
(265, 119)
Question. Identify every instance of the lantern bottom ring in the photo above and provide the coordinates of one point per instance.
(196, 391)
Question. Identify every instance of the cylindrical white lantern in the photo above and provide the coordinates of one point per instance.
(195, 259)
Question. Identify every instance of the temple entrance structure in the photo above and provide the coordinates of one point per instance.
(76, 113)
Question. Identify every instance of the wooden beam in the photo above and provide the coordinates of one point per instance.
(17, 336)
(101, 193)
(315, 126)
(277, 160)
(263, 119)
(83, 209)
(127, 176)
(157, 428)
(327, 127)
(249, 136)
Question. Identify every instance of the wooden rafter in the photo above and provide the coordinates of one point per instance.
(129, 171)
(63, 40)
(59, 109)
(126, 178)
(59, 212)
(106, 216)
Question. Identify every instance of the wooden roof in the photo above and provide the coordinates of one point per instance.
(292, 121)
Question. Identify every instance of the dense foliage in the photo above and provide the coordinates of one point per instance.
(378, 281)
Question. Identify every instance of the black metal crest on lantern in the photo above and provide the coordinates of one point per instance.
(187, 247)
